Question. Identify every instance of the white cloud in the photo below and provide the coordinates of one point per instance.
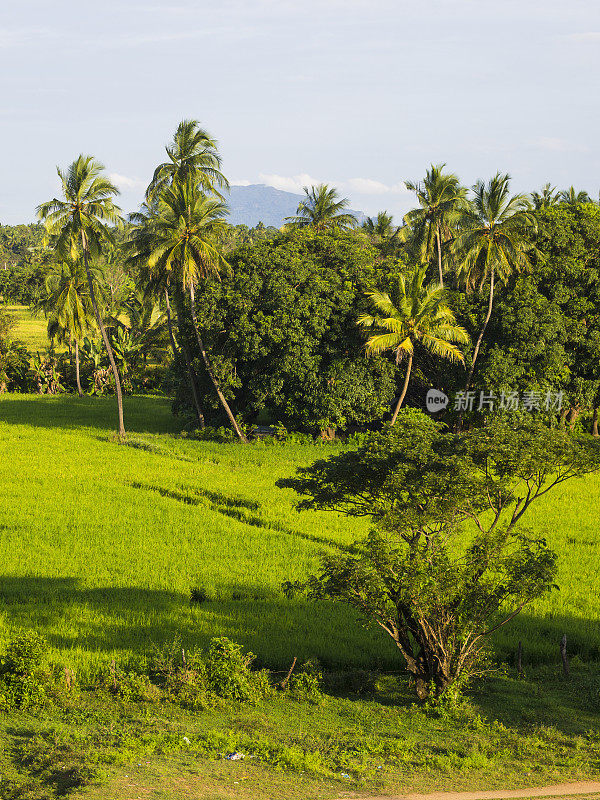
(588, 36)
(124, 183)
(556, 145)
(293, 183)
(355, 186)
(369, 186)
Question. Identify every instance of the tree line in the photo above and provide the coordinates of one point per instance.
(323, 324)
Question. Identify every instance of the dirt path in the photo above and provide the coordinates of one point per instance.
(558, 790)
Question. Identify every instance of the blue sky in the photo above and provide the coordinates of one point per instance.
(363, 94)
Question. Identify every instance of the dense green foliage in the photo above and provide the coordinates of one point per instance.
(283, 323)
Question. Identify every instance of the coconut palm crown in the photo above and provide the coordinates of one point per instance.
(410, 313)
(193, 154)
(323, 210)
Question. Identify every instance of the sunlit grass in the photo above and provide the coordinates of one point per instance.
(101, 543)
(30, 329)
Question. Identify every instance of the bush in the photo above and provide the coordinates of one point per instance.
(228, 673)
(305, 685)
(22, 676)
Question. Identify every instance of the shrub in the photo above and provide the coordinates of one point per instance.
(22, 676)
(305, 685)
(228, 673)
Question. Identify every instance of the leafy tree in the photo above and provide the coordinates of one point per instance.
(442, 199)
(81, 220)
(182, 231)
(67, 303)
(494, 241)
(446, 564)
(283, 336)
(14, 356)
(412, 313)
(192, 155)
(323, 210)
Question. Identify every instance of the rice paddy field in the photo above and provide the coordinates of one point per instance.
(30, 328)
(101, 544)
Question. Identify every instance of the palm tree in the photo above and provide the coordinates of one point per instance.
(546, 198)
(441, 199)
(182, 232)
(495, 241)
(382, 226)
(323, 210)
(572, 197)
(68, 305)
(81, 219)
(193, 154)
(158, 284)
(409, 313)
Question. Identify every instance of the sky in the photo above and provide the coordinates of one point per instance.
(362, 94)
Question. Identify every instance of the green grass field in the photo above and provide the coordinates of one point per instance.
(30, 329)
(101, 544)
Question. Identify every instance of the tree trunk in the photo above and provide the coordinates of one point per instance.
(478, 344)
(188, 362)
(595, 422)
(77, 376)
(211, 374)
(439, 252)
(481, 333)
(111, 358)
(573, 416)
(404, 389)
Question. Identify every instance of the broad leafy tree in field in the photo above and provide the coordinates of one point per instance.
(182, 236)
(67, 303)
(192, 155)
(323, 209)
(441, 199)
(412, 313)
(447, 563)
(495, 240)
(80, 223)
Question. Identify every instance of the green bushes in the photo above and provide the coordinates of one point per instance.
(22, 676)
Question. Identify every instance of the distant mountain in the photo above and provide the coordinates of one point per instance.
(249, 205)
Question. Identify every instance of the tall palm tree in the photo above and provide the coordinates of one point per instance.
(546, 198)
(183, 230)
(572, 197)
(67, 303)
(496, 238)
(323, 209)
(81, 220)
(409, 313)
(193, 154)
(441, 199)
(158, 283)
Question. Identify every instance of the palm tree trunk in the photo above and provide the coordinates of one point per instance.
(404, 389)
(478, 344)
(111, 358)
(77, 368)
(209, 369)
(439, 252)
(480, 337)
(188, 362)
(595, 422)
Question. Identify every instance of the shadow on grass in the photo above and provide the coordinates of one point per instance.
(235, 508)
(144, 414)
(132, 620)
